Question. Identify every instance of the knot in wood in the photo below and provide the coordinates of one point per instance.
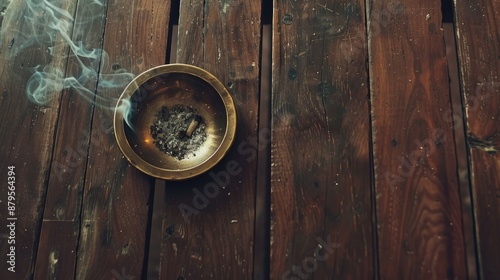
(287, 19)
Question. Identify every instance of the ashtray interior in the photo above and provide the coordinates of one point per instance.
(158, 107)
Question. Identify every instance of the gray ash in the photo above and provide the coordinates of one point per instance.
(167, 131)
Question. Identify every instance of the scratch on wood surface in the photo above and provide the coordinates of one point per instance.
(126, 247)
(325, 7)
(196, 257)
(490, 145)
(53, 260)
(353, 206)
(224, 8)
(174, 247)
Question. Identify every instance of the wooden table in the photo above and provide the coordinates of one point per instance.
(371, 154)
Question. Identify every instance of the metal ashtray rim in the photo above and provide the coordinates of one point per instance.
(175, 174)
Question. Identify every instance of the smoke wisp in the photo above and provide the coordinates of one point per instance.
(46, 24)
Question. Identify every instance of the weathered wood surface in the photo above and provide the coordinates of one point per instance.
(27, 130)
(321, 208)
(117, 197)
(460, 146)
(477, 24)
(214, 238)
(419, 225)
(339, 208)
(63, 202)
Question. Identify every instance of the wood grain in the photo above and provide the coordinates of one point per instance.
(321, 206)
(461, 147)
(63, 202)
(477, 26)
(27, 129)
(117, 197)
(419, 221)
(216, 239)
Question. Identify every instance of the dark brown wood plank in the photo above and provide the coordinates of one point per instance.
(57, 251)
(216, 239)
(477, 33)
(263, 189)
(321, 212)
(419, 220)
(461, 148)
(26, 141)
(190, 33)
(61, 216)
(117, 197)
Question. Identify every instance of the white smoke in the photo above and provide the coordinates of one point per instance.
(47, 25)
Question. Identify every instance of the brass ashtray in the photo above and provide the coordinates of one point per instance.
(175, 121)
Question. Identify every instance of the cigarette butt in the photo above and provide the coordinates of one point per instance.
(192, 126)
